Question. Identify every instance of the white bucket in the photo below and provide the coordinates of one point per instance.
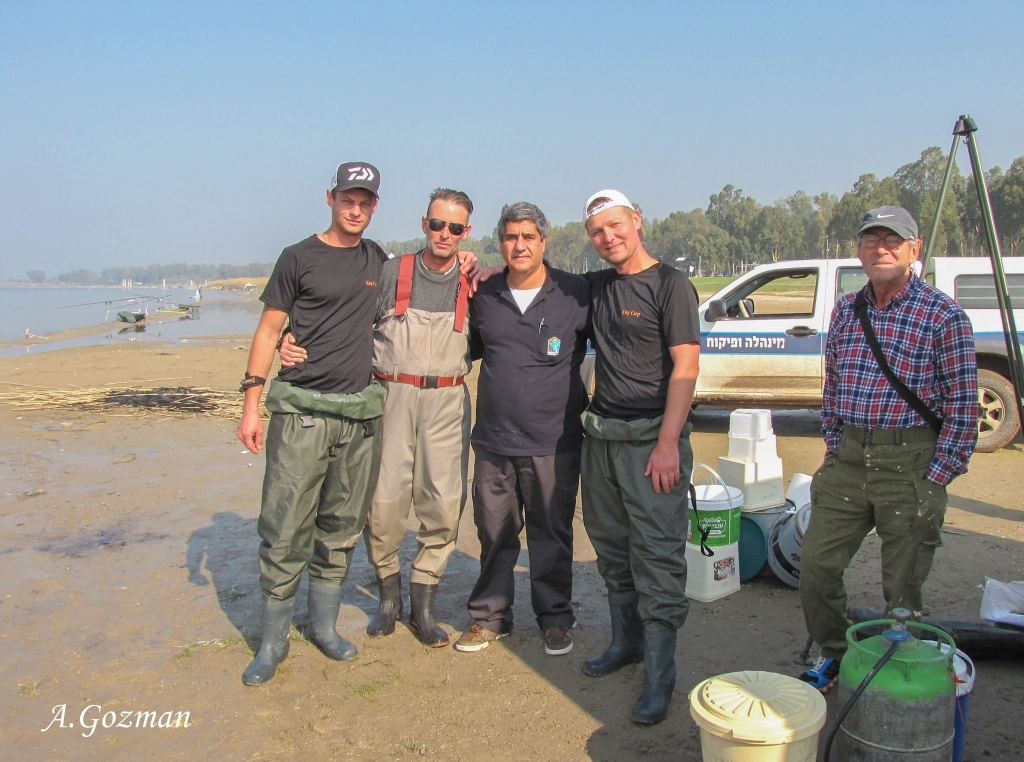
(757, 717)
(709, 578)
(785, 543)
(768, 517)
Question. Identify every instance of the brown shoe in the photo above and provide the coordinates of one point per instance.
(557, 641)
(477, 638)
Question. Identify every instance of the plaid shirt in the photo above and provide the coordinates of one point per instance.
(928, 341)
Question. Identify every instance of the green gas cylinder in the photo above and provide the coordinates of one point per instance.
(906, 711)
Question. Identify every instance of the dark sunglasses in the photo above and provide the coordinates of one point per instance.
(455, 228)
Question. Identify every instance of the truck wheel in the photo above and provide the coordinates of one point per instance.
(997, 412)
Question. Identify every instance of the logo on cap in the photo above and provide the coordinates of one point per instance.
(360, 173)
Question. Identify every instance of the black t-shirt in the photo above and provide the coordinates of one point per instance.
(530, 393)
(329, 294)
(636, 319)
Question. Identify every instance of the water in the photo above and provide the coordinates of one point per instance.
(44, 311)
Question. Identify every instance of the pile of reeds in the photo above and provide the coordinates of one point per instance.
(178, 400)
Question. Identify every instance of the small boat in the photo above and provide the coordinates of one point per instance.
(127, 316)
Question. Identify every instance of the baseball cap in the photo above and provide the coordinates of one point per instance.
(615, 198)
(895, 218)
(356, 174)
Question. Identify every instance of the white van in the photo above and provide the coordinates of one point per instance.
(763, 335)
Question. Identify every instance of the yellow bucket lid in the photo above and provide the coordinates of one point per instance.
(758, 707)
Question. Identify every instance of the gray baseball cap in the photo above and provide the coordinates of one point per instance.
(895, 218)
(357, 174)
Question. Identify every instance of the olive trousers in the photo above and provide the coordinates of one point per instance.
(874, 479)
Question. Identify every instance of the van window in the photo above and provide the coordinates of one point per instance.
(978, 292)
(774, 295)
(849, 280)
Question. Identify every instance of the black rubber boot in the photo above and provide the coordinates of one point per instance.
(277, 620)
(627, 646)
(324, 605)
(389, 608)
(659, 674)
(421, 618)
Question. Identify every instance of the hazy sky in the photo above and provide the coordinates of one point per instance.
(141, 132)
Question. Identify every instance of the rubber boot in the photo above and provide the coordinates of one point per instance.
(421, 618)
(659, 674)
(389, 607)
(627, 646)
(324, 605)
(277, 620)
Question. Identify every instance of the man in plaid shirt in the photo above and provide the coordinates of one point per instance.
(885, 466)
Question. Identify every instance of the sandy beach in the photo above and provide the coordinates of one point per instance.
(128, 540)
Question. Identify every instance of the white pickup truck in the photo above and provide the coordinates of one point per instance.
(763, 335)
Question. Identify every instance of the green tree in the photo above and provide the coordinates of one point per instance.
(735, 214)
(918, 185)
(1007, 193)
(776, 235)
(36, 276)
(690, 235)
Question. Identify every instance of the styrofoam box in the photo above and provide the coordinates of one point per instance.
(754, 424)
(745, 448)
(761, 482)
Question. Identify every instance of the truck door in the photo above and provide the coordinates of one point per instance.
(768, 343)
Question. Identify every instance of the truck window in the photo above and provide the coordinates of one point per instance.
(775, 295)
(849, 280)
(978, 292)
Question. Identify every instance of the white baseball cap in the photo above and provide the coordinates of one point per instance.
(610, 198)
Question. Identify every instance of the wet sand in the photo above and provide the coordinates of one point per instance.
(129, 545)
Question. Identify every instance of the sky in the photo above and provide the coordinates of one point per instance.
(207, 132)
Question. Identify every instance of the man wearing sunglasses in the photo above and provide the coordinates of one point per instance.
(888, 456)
(421, 354)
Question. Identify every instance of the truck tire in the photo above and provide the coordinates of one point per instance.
(997, 412)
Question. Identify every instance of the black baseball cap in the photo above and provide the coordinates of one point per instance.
(895, 218)
(356, 174)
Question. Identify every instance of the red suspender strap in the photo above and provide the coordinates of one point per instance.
(461, 303)
(404, 290)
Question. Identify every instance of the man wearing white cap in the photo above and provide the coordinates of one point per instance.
(637, 459)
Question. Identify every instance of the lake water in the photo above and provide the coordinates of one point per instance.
(43, 311)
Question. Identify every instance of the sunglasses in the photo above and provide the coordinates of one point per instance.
(455, 228)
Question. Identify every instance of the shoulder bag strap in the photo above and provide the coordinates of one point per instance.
(860, 309)
(461, 303)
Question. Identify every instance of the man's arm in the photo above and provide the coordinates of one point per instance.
(831, 426)
(957, 374)
(663, 465)
(261, 358)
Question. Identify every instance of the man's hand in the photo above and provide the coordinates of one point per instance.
(250, 429)
(663, 467)
(290, 353)
(478, 274)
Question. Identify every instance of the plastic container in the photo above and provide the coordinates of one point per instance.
(753, 547)
(718, 510)
(768, 517)
(752, 424)
(752, 450)
(964, 668)
(799, 491)
(714, 577)
(785, 543)
(757, 717)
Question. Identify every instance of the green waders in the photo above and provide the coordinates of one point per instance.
(876, 479)
(323, 455)
(639, 534)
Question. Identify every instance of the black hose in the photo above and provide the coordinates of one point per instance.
(856, 695)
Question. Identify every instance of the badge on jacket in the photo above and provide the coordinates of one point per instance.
(554, 345)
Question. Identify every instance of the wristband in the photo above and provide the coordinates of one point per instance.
(250, 381)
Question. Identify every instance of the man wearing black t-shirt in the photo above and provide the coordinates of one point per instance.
(323, 447)
(637, 459)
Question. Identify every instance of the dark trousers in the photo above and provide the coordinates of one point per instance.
(316, 492)
(538, 492)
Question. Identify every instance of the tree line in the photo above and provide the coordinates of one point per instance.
(735, 231)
